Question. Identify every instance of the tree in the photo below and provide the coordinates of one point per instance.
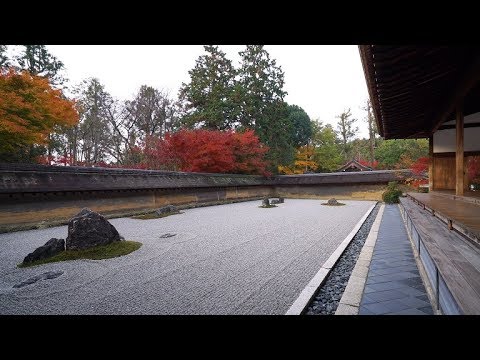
(420, 173)
(346, 130)
(327, 150)
(372, 129)
(119, 145)
(302, 128)
(4, 62)
(30, 109)
(92, 137)
(420, 167)
(206, 151)
(209, 97)
(389, 152)
(262, 107)
(277, 134)
(304, 161)
(249, 153)
(199, 151)
(400, 153)
(38, 61)
(359, 149)
(110, 131)
(152, 112)
(261, 81)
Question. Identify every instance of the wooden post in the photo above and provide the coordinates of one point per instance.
(459, 152)
(430, 163)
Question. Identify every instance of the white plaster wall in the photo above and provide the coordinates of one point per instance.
(469, 119)
(444, 140)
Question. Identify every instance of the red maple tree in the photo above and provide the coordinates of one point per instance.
(206, 151)
(420, 167)
(370, 164)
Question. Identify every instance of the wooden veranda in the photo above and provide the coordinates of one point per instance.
(434, 92)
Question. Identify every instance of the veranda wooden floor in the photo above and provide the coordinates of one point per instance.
(469, 196)
(460, 211)
(456, 258)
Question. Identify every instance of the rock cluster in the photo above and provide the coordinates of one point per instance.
(85, 230)
(168, 209)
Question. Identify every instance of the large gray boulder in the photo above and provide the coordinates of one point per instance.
(88, 229)
(266, 202)
(50, 248)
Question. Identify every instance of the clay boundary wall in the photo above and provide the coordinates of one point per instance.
(36, 196)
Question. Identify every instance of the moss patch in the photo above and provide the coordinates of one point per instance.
(154, 215)
(337, 204)
(267, 207)
(114, 249)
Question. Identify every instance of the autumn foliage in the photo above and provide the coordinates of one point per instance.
(370, 164)
(54, 160)
(420, 167)
(210, 151)
(30, 109)
(473, 169)
(303, 162)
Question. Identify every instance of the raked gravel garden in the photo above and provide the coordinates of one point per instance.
(226, 259)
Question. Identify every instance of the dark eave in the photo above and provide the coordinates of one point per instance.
(415, 89)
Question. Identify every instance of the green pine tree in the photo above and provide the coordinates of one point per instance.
(261, 83)
(38, 61)
(209, 98)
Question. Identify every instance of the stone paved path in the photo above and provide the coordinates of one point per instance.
(394, 286)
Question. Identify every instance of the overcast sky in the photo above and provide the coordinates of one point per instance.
(323, 80)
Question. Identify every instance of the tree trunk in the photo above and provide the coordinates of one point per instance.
(372, 135)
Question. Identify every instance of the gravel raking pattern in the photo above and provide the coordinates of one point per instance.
(227, 259)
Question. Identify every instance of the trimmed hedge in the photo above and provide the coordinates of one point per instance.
(391, 195)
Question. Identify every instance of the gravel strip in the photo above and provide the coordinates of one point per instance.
(229, 259)
(328, 297)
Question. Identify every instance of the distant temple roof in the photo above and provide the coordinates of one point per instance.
(354, 165)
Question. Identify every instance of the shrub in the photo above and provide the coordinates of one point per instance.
(391, 195)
